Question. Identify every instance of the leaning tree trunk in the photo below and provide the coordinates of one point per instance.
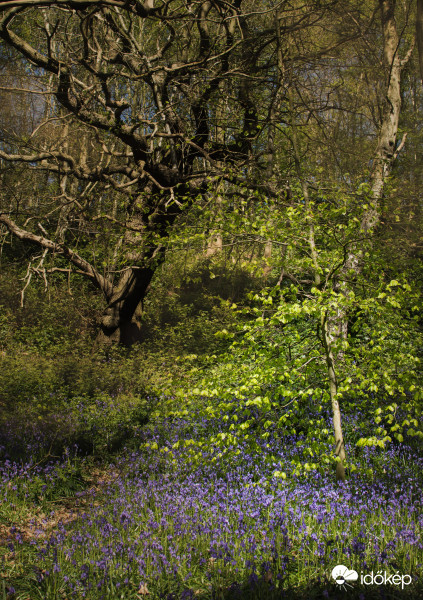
(120, 321)
(335, 327)
(387, 149)
(385, 154)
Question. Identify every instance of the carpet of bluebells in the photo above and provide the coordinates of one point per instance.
(178, 518)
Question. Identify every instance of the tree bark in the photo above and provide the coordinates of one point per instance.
(386, 151)
(120, 322)
(419, 35)
(333, 391)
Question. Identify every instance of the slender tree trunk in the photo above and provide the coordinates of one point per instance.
(386, 150)
(215, 240)
(333, 390)
(335, 328)
(419, 35)
(328, 324)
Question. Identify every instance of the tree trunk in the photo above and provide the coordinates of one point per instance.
(335, 328)
(386, 150)
(419, 35)
(333, 390)
(332, 327)
(215, 244)
(120, 322)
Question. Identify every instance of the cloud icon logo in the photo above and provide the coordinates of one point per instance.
(342, 575)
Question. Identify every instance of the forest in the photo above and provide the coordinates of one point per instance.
(211, 331)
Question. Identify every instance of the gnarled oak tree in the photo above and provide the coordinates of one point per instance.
(128, 131)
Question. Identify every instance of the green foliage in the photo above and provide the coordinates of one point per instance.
(276, 362)
(94, 402)
(51, 379)
(55, 320)
(104, 424)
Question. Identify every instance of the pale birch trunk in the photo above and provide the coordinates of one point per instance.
(386, 150)
(326, 324)
(335, 329)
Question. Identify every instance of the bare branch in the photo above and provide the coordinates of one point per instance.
(81, 263)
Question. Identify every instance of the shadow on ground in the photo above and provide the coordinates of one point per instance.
(317, 591)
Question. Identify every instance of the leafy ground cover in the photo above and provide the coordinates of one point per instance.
(176, 516)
